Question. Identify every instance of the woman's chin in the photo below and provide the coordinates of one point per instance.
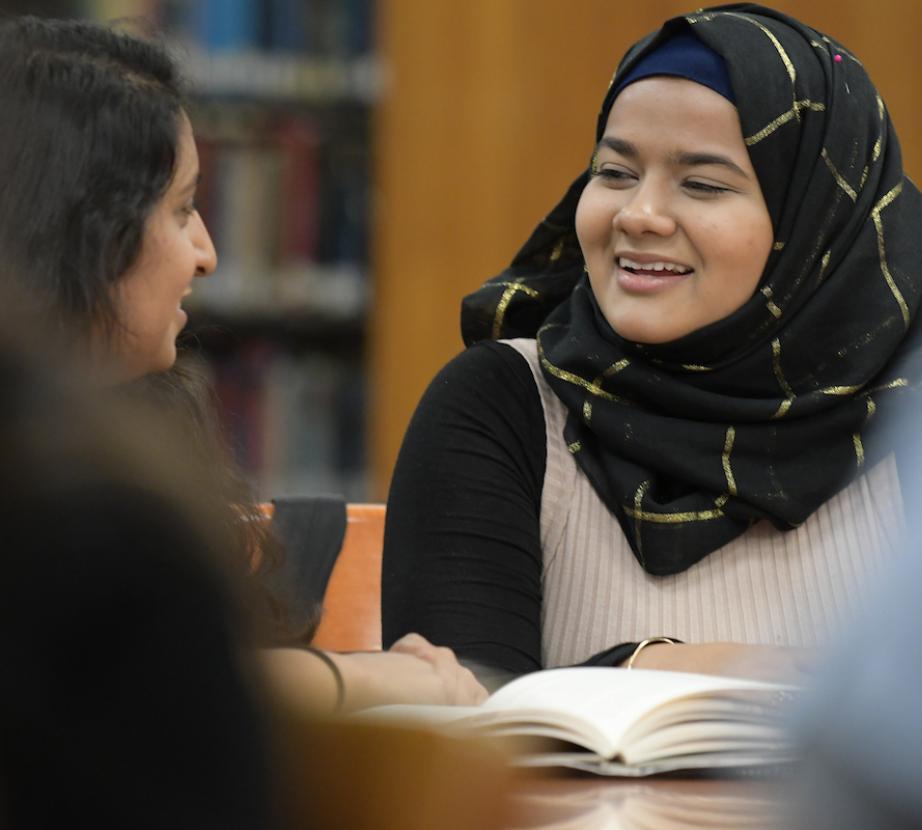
(645, 332)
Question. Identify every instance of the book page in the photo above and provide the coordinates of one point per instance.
(614, 702)
(605, 709)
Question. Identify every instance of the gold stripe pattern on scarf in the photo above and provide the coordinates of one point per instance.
(796, 106)
(576, 380)
(609, 372)
(639, 515)
(770, 305)
(512, 288)
(638, 503)
(875, 153)
(782, 382)
(840, 179)
(882, 250)
(859, 449)
(781, 120)
(792, 73)
(840, 390)
(827, 44)
(728, 448)
(898, 383)
(856, 438)
(673, 518)
(698, 17)
(824, 263)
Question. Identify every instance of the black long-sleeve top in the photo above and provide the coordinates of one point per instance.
(462, 547)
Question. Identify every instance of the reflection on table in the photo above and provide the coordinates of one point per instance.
(578, 802)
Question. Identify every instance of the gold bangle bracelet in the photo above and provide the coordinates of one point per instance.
(648, 642)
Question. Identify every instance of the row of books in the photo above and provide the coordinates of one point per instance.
(295, 422)
(286, 203)
(281, 108)
(318, 28)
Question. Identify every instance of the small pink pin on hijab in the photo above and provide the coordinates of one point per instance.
(838, 59)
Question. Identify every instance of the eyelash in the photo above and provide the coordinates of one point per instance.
(702, 187)
(611, 174)
(615, 175)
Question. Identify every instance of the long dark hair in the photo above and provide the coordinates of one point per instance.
(88, 145)
(89, 128)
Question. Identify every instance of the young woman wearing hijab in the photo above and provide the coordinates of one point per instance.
(99, 227)
(677, 437)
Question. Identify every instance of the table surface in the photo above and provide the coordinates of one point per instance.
(564, 801)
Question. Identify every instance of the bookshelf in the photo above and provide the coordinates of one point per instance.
(282, 93)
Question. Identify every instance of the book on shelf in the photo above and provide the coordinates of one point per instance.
(287, 207)
(295, 422)
(622, 722)
(319, 27)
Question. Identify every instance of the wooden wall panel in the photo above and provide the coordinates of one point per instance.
(488, 114)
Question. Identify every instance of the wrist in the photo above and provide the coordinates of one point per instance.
(649, 653)
(337, 676)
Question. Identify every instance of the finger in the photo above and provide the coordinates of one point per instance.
(443, 658)
(475, 689)
(412, 643)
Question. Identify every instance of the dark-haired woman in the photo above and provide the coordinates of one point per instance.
(673, 457)
(98, 226)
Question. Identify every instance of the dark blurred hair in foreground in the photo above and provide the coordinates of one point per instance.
(125, 696)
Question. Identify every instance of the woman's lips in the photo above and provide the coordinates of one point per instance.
(644, 281)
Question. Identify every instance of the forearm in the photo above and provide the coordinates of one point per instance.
(302, 679)
(462, 551)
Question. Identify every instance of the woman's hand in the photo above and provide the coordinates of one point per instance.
(779, 664)
(412, 671)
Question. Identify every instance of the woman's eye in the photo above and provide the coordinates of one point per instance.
(704, 188)
(613, 174)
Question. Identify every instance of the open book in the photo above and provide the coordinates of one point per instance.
(624, 722)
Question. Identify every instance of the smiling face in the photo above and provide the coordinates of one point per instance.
(672, 224)
(176, 248)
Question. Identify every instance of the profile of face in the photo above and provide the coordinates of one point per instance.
(672, 224)
(175, 249)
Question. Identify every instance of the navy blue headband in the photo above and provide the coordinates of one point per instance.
(683, 56)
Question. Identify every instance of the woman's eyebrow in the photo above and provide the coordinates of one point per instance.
(191, 184)
(619, 145)
(698, 159)
(680, 159)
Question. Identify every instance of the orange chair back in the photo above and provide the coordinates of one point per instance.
(351, 618)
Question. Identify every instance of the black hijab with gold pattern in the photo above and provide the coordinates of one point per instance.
(768, 412)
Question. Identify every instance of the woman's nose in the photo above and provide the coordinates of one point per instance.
(647, 210)
(206, 256)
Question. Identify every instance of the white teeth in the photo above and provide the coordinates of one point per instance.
(672, 267)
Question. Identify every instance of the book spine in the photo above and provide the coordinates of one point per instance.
(299, 191)
(288, 26)
(228, 25)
